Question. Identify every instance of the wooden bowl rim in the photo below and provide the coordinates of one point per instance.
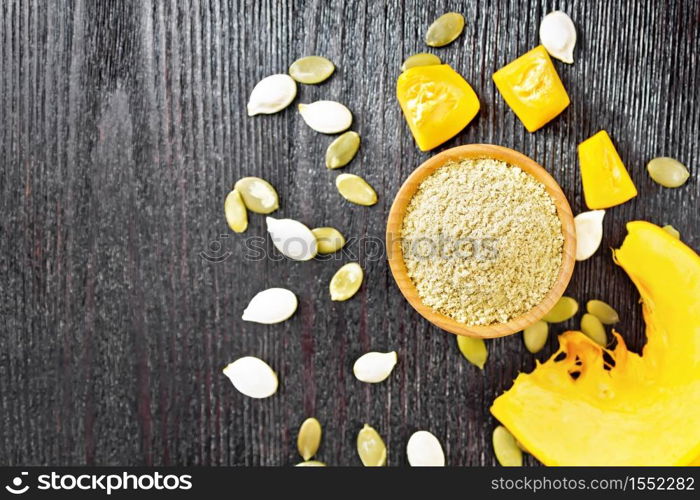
(395, 255)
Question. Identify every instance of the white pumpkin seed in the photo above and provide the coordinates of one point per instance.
(310, 463)
(535, 336)
(589, 233)
(272, 94)
(273, 305)
(252, 377)
(424, 450)
(668, 172)
(236, 214)
(328, 239)
(558, 35)
(606, 314)
(374, 367)
(292, 238)
(564, 309)
(309, 438)
(594, 329)
(445, 29)
(508, 453)
(346, 281)
(421, 59)
(473, 349)
(258, 195)
(311, 69)
(356, 190)
(327, 117)
(342, 150)
(371, 447)
(672, 231)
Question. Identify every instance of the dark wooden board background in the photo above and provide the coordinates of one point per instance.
(123, 126)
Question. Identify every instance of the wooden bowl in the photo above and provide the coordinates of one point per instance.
(395, 252)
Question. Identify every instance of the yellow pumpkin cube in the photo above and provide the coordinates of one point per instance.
(531, 87)
(606, 182)
(436, 102)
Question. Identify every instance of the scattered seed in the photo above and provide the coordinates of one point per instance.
(508, 453)
(273, 305)
(292, 238)
(445, 29)
(424, 450)
(311, 69)
(535, 336)
(327, 117)
(258, 195)
(668, 172)
(421, 59)
(356, 190)
(310, 463)
(473, 349)
(564, 309)
(252, 377)
(374, 367)
(594, 329)
(272, 94)
(558, 35)
(672, 231)
(342, 150)
(236, 214)
(328, 239)
(309, 438)
(371, 447)
(589, 233)
(346, 281)
(606, 314)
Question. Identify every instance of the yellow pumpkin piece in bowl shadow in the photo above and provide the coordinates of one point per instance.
(531, 87)
(614, 407)
(437, 103)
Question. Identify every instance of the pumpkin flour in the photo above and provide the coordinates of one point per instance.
(482, 241)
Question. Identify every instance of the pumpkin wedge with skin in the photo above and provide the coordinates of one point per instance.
(643, 410)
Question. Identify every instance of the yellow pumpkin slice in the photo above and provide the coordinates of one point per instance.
(614, 407)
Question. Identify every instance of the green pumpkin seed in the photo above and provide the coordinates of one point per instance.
(355, 189)
(310, 463)
(371, 447)
(508, 453)
(535, 336)
(311, 69)
(258, 195)
(236, 214)
(309, 438)
(421, 59)
(564, 309)
(672, 231)
(346, 281)
(445, 29)
(328, 239)
(606, 314)
(342, 150)
(594, 329)
(473, 349)
(668, 172)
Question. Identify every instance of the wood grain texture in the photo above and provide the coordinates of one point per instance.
(395, 248)
(122, 128)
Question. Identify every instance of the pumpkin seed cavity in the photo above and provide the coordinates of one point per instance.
(672, 231)
(346, 281)
(258, 195)
(668, 172)
(311, 69)
(328, 239)
(309, 438)
(508, 453)
(272, 94)
(327, 117)
(270, 306)
(342, 150)
(535, 336)
(424, 450)
(445, 29)
(606, 314)
(564, 309)
(374, 367)
(420, 59)
(252, 377)
(356, 190)
(473, 349)
(235, 211)
(594, 329)
(371, 447)
(292, 238)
